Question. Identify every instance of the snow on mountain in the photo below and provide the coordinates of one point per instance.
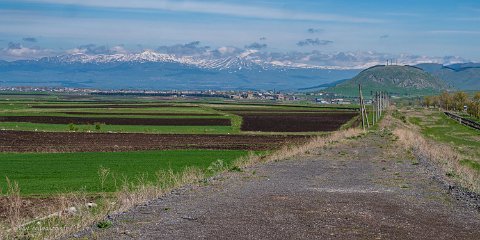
(224, 63)
(255, 60)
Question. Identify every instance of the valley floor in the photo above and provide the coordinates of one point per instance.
(364, 188)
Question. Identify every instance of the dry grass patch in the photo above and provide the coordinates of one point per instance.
(443, 155)
(290, 151)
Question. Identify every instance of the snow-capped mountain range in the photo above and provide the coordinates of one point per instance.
(245, 69)
(252, 59)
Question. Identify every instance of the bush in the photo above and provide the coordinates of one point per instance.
(72, 127)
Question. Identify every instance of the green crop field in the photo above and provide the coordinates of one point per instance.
(118, 109)
(22, 126)
(53, 173)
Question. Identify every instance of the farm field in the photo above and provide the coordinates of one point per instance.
(135, 137)
(55, 149)
(119, 121)
(25, 141)
(55, 173)
(171, 118)
(287, 121)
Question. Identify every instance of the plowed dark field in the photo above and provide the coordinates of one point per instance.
(143, 114)
(120, 121)
(20, 141)
(294, 122)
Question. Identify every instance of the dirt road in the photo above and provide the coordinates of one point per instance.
(368, 189)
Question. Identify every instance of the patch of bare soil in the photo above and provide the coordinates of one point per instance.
(366, 188)
(25, 141)
(294, 122)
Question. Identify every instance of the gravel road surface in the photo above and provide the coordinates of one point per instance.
(366, 188)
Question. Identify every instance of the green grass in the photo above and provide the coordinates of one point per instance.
(448, 130)
(22, 126)
(52, 173)
(439, 127)
(106, 115)
(471, 164)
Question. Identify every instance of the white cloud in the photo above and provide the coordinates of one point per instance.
(226, 50)
(16, 51)
(119, 49)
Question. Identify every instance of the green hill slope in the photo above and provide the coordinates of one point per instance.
(397, 80)
(464, 76)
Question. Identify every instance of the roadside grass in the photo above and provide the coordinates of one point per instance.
(439, 127)
(56, 173)
(471, 164)
(436, 139)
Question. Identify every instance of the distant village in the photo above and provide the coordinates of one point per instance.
(267, 95)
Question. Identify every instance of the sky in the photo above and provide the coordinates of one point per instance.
(36, 28)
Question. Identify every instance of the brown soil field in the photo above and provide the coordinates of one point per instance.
(110, 106)
(144, 114)
(23, 141)
(120, 121)
(294, 122)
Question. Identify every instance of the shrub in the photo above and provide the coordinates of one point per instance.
(72, 127)
(104, 224)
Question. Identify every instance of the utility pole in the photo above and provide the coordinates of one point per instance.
(363, 109)
(377, 106)
(373, 110)
(360, 100)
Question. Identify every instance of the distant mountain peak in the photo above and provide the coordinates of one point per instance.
(395, 79)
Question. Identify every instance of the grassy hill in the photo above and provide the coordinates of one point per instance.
(464, 76)
(397, 80)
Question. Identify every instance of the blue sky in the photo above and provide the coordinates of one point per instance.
(431, 28)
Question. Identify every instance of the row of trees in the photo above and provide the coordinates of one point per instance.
(456, 102)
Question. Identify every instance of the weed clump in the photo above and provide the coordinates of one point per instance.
(72, 127)
(104, 224)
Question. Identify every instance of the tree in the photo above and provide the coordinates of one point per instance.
(476, 101)
(476, 98)
(472, 108)
(460, 99)
(427, 101)
(445, 100)
(436, 101)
